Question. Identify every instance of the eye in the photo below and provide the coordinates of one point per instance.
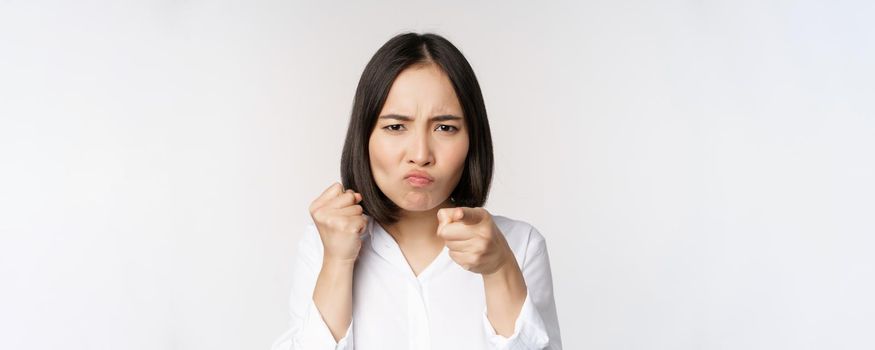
(393, 127)
(448, 128)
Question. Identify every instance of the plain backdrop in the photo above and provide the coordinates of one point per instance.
(702, 170)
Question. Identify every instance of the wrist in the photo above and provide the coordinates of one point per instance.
(506, 269)
(505, 291)
(329, 263)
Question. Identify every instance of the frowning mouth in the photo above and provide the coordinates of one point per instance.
(417, 181)
(418, 178)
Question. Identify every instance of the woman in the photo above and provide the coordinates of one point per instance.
(402, 255)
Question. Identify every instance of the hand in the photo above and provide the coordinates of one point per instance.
(473, 239)
(340, 222)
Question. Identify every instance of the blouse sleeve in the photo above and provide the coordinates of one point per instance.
(307, 329)
(537, 326)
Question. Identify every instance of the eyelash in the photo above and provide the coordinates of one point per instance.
(389, 127)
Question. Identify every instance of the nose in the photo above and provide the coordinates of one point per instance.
(419, 150)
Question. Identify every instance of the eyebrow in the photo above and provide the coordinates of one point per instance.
(435, 118)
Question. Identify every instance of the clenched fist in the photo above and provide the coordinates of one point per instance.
(340, 221)
(473, 239)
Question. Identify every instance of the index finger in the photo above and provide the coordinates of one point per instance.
(332, 191)
(471, 216)
(465, 215)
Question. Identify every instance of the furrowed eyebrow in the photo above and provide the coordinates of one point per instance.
(439, 118)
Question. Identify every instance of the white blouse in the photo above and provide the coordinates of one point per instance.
(444, 307)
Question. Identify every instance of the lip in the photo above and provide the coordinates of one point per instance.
(418, 173)
(418, 178)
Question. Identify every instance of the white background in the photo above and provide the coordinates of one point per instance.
(702, 171)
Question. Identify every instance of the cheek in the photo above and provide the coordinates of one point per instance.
(456, 155)
(459, 156)
(380, 153)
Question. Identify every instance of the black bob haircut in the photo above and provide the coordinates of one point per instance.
(400, 52)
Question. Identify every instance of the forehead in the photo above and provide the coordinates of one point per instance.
(422, 90)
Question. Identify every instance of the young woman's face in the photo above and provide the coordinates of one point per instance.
(420, 128)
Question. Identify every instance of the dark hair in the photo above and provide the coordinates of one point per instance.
(400, 52)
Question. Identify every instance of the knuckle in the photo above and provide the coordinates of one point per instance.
(352, 227)
(348, 224)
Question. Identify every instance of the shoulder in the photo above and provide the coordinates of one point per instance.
(522, 237)
(309, 244)
(514, 228)
(310, 234)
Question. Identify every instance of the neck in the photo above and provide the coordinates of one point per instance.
(418, 227)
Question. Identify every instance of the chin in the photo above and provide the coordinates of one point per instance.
(417, 203)
(416, 207)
